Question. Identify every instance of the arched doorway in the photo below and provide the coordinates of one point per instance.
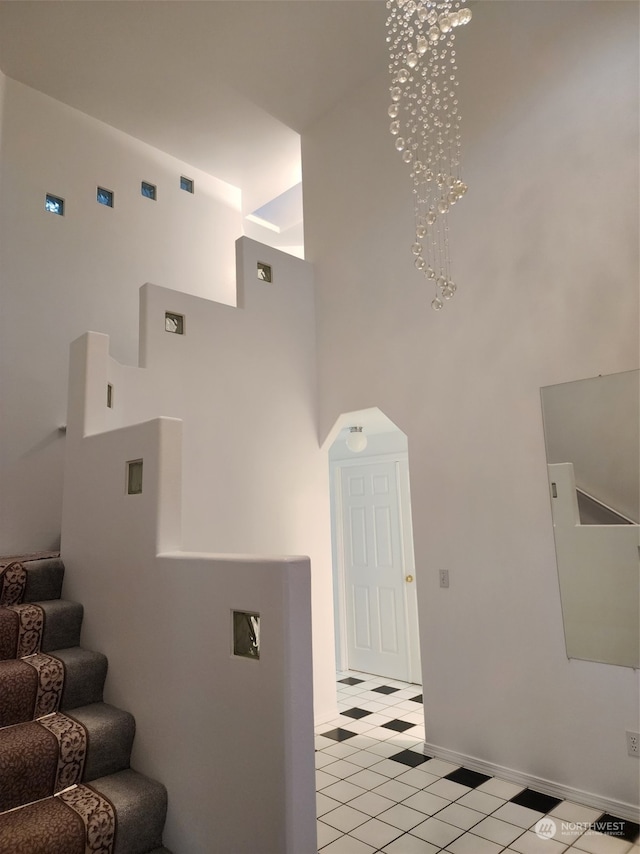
(376, 614)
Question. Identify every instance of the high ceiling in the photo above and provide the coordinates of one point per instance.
(224, 85)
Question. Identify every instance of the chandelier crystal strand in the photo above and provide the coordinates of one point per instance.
(425, 123)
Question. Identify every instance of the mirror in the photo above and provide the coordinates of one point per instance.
(592, 438)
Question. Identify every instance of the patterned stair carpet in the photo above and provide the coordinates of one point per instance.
(40, 758)
(79, 820)
(65, 782)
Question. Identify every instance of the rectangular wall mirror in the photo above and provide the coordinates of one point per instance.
(592, 438)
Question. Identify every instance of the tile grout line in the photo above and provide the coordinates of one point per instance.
(350, 701)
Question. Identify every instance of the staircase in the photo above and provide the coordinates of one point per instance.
(65, 782)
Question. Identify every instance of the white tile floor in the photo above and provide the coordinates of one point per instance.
(368, 802)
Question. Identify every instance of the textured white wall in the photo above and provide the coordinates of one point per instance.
(61, 276)
(545, 249)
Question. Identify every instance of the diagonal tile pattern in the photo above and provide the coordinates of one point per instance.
(378, 793)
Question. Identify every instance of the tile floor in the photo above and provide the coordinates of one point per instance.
(377, 792)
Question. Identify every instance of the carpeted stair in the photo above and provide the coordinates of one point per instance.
(65, 782)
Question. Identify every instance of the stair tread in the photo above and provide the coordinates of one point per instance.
(28, 557)
(109, 739)
(139, 802)
(62, 623)
(44, 579)
(86, 672)
(141, 806)
(44, 574)
(111, 732)
(40, 627)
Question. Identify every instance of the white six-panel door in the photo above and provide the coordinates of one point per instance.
(375, 577)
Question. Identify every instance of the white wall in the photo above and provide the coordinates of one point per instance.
(60, 276)
(545, 249)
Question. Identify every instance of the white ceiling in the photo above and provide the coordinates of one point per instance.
(224, 85)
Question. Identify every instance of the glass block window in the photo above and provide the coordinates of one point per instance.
(104, 197)
(174, 323)
(264, 272)
(134, 477)
(246, 634)
(186, 184)
(148, 190)
(53, 204)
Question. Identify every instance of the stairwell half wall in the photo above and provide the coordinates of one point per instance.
(222, 417)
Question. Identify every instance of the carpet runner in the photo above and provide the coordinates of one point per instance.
(31, 687)
(13, 580)
(40, 758)
(21, 629)
(65, 782)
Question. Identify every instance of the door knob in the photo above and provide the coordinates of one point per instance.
(408, 578)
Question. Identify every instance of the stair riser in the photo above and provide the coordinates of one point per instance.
(30, 580)
(27, 693)
(111, 732)
(39, 627)
(85, 674)
(44, 580)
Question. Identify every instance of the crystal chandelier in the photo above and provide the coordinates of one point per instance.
(425, 122)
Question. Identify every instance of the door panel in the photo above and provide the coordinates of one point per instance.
(389, 621)
(358, 536)
(362, 618)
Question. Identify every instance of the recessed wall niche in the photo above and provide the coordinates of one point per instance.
(174, 323)
(265, 273)
(54, 204)
(109, 396)
(104, 197)
(134, 477)
(246, 634)
(149, 191)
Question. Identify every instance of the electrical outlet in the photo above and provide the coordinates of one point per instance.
(444, 578)
(633, 743)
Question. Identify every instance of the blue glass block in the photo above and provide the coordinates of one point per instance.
(186, 184)
(54, 205)
(105, 197)
(148, 190)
